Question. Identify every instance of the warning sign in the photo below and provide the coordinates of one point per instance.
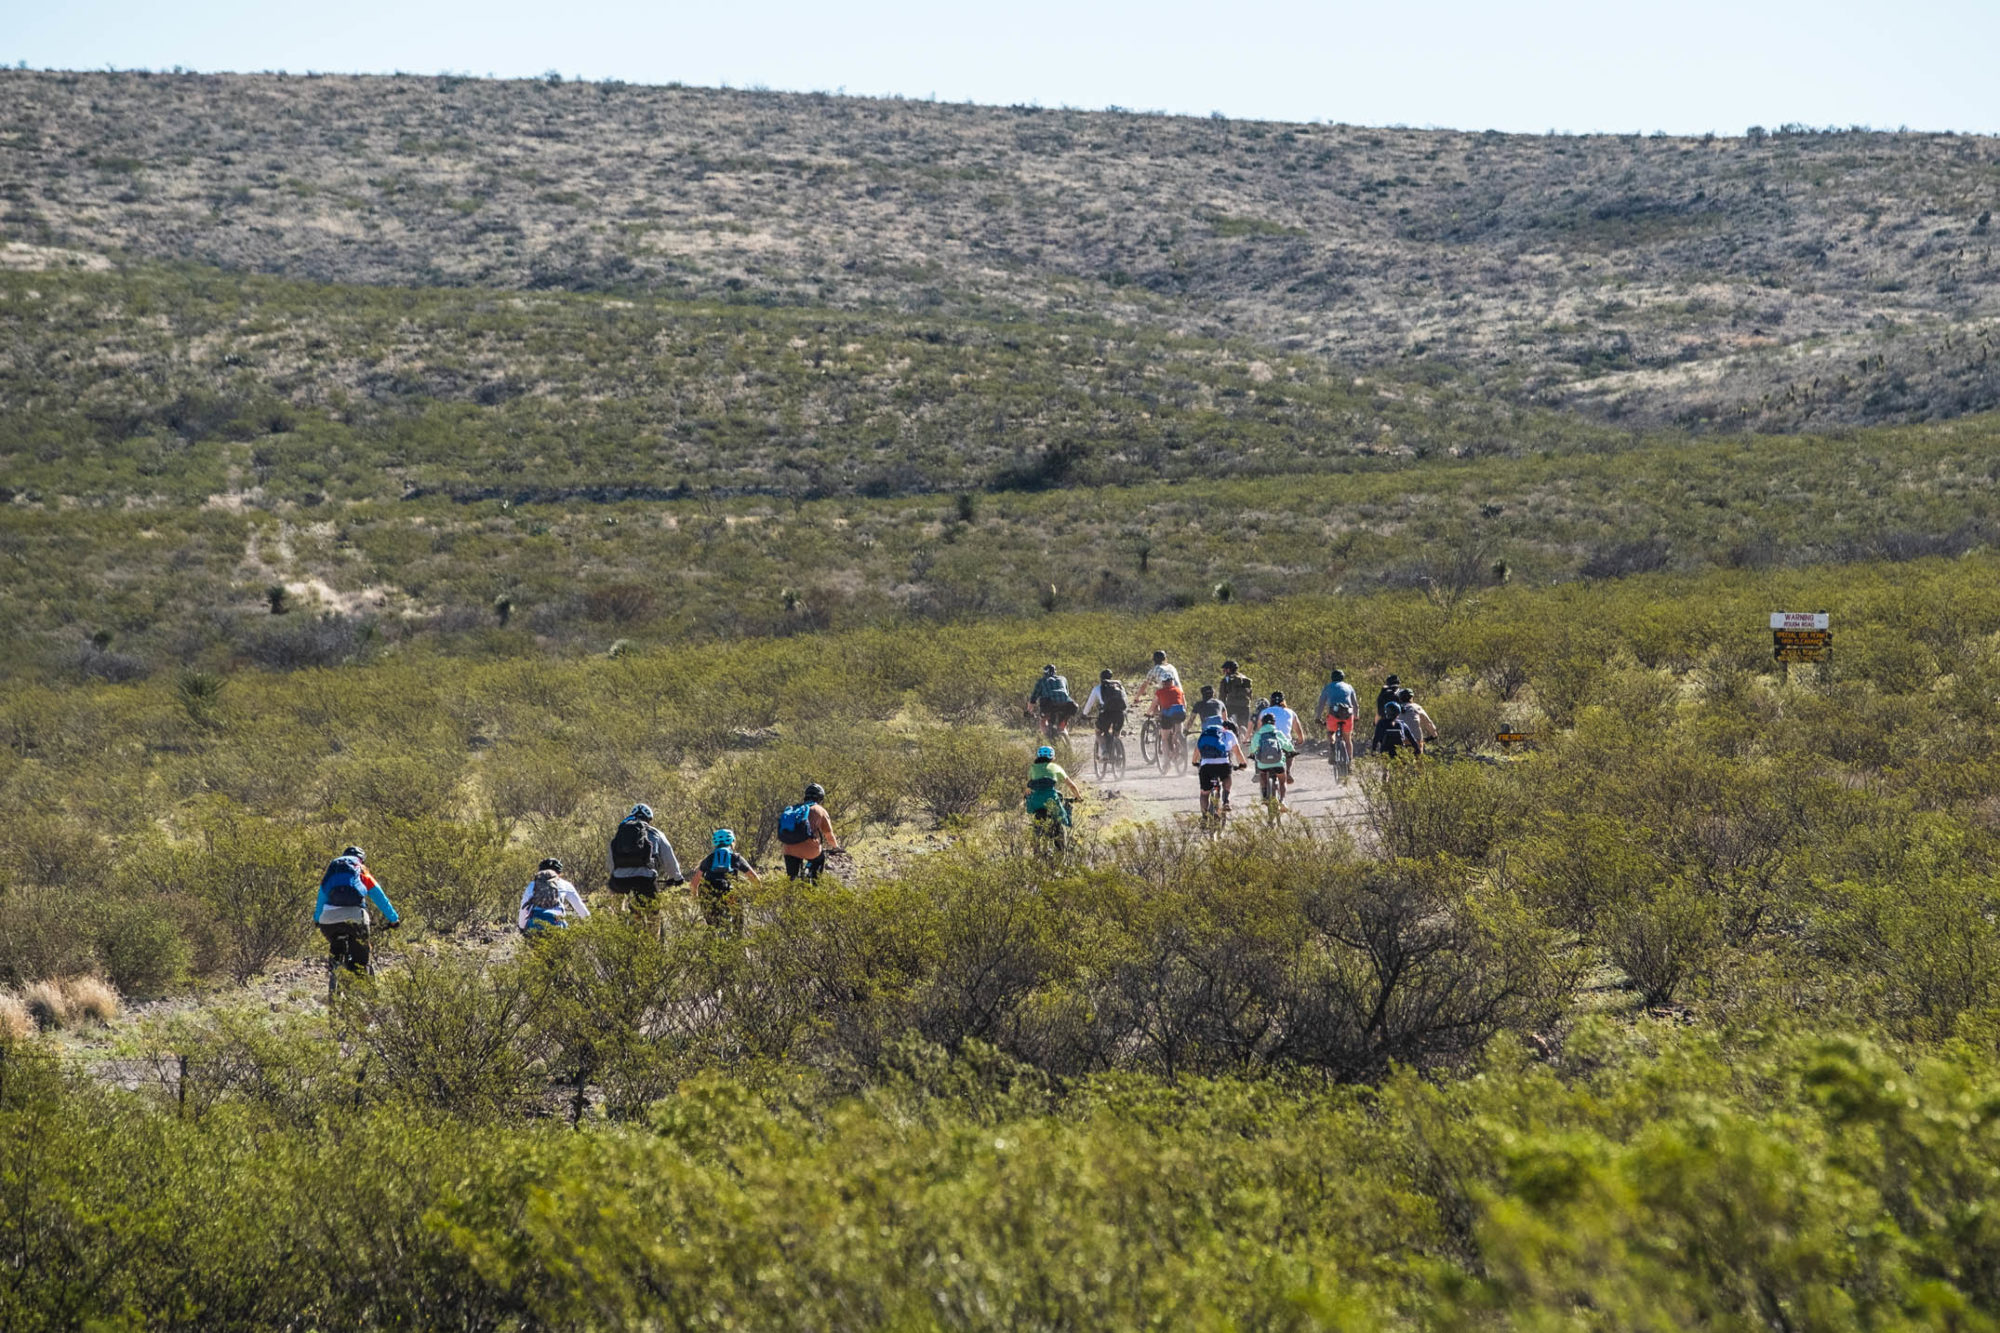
(1802, 652)
(1799, 619)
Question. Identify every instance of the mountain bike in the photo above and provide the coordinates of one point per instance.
(1108, 754)
(1340, 752)
(1149, 741)
(351, 951)
(1051, 829)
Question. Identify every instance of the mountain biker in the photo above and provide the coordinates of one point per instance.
(345, 892)
(1389, 734)
(1170, 706)
(641, 857)
(548, 901)
(1271, 749)
(1208, 707)
(1050, 698)
(1414, 718)
(1337, 706)
(805, 834)
(715, 881)
(1217, 753)
(1047, 786)
(1383, 698)
(1235, 690)
(1108, 703)
(1162, 672)
(1289, 726)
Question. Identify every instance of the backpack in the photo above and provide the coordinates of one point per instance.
(795, 824)
(1213, 745)
(1235, 687)
(1392, 739)
(1114, 695)
(1058, 691)
(718, 869)
(1270, 749)
(631, 848)
(342, 883)
(544, 896)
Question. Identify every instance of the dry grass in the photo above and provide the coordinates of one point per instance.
(91, 999)
(48, 1004)
(16, 1023)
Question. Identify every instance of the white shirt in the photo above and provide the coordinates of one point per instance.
(1094, 702)
(1287, 720)
(1163, 673)
(566, 895)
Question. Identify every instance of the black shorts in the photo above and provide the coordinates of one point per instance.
(349, 939)
(643, 888)
(1110, 723)
(805, 867)
(1214, 776)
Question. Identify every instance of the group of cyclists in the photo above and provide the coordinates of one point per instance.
(640, 861)
(1229, 728)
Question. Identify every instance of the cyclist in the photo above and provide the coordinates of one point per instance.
(1162, 672)
(641, 857)
(1337, 707)
(715, 882)
(1217, 754)
(805, 833)
(1170, 707)
(1235, 690)
(346, 891)
(1415, 720)
(1048, 785)
(1390, 736)
(548, 901)
(1208, 707)
(1289, 726)
(1272, 748)
(1383, 698)
(1107, 703)
(1050, 698)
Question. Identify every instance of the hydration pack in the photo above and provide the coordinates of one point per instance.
(795, 824)
(544, 896)
(1343, 711)
(718, 869)
(1270, 749)
(1213, 745)
(342, 883)
(631, 848)
(1113, 695)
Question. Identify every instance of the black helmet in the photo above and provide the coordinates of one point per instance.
(1277, 696)
(1049, 670)
(1338, 674)
(1104, 674)
(1393, 680)
(356, 853)
(1404, 696)
(1229, 664)
(1159, 654)
(815, 792)
(551, 863)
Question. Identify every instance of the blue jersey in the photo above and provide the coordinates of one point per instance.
(1338, 692)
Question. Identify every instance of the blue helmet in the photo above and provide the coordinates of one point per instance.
(1045, 753)
(1392, 710)
(724, 838)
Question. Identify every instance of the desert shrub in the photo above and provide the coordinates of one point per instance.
(451, 875)
(254, 880)
(1466, 718)
(448, 1036)
(45, 936)
(542, 782)
(53, 851)
(299, 642)
(401, 783)
(1448, 809)
(962, 770)
(1663, 937)
(141, 945)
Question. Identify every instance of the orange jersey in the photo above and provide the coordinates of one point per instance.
(1170, 695)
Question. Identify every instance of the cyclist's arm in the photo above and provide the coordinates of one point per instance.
(383, 905)
(319, 904)
(521, 913)
(821, 825)
(572, 900)
(665, 864)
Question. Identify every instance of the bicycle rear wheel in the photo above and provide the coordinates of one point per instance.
(1117, 748)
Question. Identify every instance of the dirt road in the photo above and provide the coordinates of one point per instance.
(1145, 795)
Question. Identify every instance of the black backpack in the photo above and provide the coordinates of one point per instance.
(1113, 694)
(631, 847)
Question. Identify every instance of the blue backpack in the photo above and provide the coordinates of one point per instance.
(1213, 745)
(342, 883)
(795, 824)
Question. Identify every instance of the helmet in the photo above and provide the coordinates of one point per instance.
(1045, 753)
(1159, 654)
(815, 792)
(356, 853)
(1104, 674)
(550, 863)
(1338, 674)
(1277, 696)
(1208, 691)
(1393, 680)
(1229, 664)
(1391, 710)
(1049, 670)
(640, 811)
(1404, 696)
(1267, 720)
(724, 838)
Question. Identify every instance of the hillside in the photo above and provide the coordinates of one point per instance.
(1779, 281)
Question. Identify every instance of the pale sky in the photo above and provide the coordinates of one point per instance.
(1686, 67)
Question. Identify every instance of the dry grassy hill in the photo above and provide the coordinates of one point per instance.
(1779, 281)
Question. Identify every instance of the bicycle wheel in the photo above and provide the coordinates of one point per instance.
(1100, 757)
(1117, 749)
(1149, 741)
